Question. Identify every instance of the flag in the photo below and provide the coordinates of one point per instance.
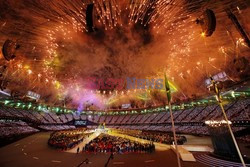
(168, 91)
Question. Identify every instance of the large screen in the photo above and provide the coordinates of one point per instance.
(222, 76)
(81, 123)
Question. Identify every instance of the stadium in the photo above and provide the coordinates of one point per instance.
(124, 83)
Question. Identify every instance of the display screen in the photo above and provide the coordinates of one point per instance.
(80, 122)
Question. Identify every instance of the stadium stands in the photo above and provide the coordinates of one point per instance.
(188, 121)
(15, 128)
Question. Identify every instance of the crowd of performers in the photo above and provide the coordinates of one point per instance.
(154, 136)
(161, 138)
(65, 139)
(107, 143)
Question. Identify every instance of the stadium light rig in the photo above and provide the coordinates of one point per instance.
(214, 123)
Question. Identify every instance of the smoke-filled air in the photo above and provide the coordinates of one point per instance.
(142, 39)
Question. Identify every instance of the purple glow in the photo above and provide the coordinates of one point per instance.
(84, 97)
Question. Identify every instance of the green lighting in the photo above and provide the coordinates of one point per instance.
(6, 102)
(30, 105)
(232, 94)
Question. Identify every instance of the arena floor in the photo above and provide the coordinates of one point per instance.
(34, 151)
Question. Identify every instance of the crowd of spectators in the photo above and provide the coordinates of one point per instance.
(106, 143)
(245, 139)
(237, 110)
(10, 128)
(57, 127)
(15, 131)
